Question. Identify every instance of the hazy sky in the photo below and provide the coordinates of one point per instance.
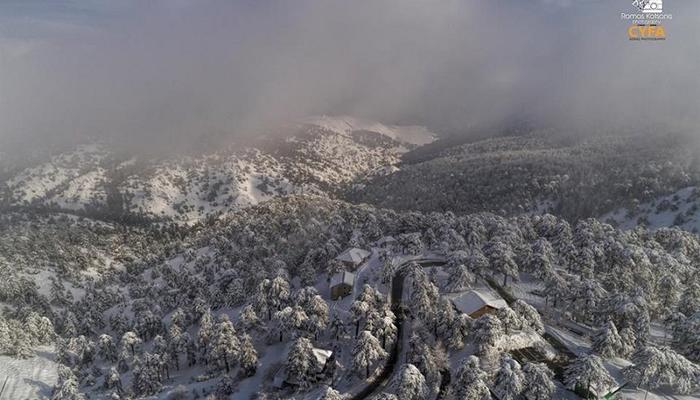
(175, 70)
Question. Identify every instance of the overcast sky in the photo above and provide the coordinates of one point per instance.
(152, 72)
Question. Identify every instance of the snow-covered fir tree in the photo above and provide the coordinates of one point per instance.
(510, 380)
(470, 381)
(607, 342)
(301, 364)
(367, 351)
(538, 382)
(588, 373)
(410, 383)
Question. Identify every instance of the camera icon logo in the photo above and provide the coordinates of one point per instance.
(649, 6)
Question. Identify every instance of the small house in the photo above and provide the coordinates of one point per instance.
(325, 363)
(342, 284)
(353, 258)
(476, 303)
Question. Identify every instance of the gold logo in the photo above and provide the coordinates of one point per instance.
(646, 32)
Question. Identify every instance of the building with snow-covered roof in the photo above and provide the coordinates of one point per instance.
(342, 284)
(476, 303)
(353, 257)
(325, 363)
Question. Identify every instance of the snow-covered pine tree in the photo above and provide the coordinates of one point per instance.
(113, 380)
(687, 337)
(131, 340)
(248, 319)
(509, 320)
(386, 330)
(147, 379)
(587, 373)
(67, 386)
(538, 382)
(225, 345)
(290, 319)
(469, 383)
(486, 331)
(247, 356)
(410, 383)
(502, 259)
(358, 312)
(690, 299)
(461, 278)
(366, 352)
(509, 380)
(205, 334)
(662, 367)
(337, 327)
(330, 394)
(531, 318)
(459, 331)
(107, 348)
(607, 341)
(301, 364)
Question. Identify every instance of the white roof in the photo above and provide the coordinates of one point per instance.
(343, 277)
(473, 300)
(322, 355)
(353, 255)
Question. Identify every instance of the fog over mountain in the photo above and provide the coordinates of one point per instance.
(165, 74)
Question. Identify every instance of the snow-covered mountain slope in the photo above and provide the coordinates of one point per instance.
(321, 156)
(71, 180)
(416, 135)
(681, 209)
(535, 173)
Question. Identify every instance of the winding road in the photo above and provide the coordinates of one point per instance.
(397, 307)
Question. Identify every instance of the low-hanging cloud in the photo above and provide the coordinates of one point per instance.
(173, 72)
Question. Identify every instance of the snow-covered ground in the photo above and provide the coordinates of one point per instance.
(28, 379)
(681, 209)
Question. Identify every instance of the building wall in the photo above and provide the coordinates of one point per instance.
(340, 290)
(483, 310)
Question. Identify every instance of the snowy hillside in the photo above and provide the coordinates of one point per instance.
(415, 135)
(321, 156)
(71, 180)
(681, 209)
(511, 175)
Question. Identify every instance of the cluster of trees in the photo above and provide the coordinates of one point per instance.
(263, 260)
(575, 179)
(18, 337)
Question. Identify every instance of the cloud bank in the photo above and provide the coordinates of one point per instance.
(162, 73)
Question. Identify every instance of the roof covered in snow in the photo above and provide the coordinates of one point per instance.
(343, 277)
(474, 300)
(322, 355)
(353, 255)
